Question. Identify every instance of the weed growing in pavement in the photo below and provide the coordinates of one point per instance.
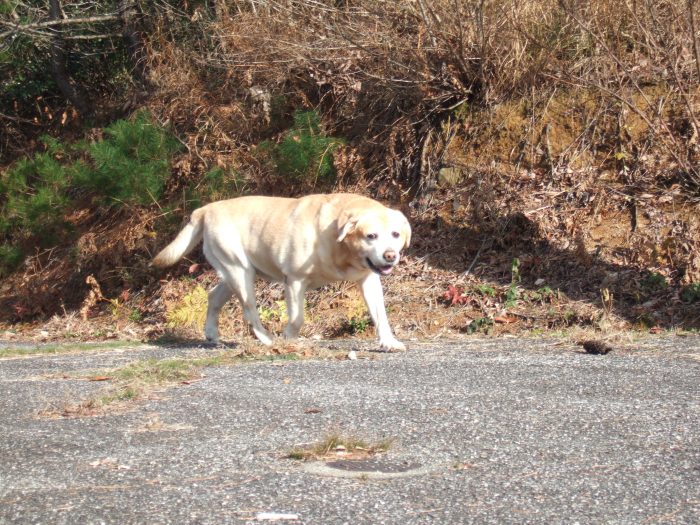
(136, 380)
(154, 371)
(336, 445)
(66, 348)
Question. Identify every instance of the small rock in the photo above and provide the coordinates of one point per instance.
(352, 355)
(596, 347)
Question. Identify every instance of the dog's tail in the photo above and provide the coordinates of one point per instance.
(185, 241)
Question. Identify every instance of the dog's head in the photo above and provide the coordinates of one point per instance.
(375, 236)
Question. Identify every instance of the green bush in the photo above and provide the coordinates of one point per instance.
(691, 293)
(305, 153)
(10, 259)
(217, 184)
(35, 199)
(132, 164)
(24, 73)
(653, 282)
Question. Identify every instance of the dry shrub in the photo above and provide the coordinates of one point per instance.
(400, 79)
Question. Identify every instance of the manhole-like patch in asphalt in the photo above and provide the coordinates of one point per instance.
(368, 468)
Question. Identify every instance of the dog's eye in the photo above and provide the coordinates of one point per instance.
(372, 236)
(395, 235)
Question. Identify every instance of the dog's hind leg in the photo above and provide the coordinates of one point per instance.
(239, 276)
(217, 299)
(242, 280)
(294, 296)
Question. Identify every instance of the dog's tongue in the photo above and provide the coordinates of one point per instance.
(386, 270)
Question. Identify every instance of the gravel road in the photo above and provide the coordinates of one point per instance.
(481, 431)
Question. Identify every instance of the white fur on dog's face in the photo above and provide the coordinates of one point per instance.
(377, 238)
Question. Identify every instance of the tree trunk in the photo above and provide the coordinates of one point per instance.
(128, 15)
(58, 65)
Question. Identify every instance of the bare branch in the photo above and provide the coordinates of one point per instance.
(30, 28)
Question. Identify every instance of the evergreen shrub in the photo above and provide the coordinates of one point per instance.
(305, 153)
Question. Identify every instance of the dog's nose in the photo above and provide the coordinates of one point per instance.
(390, 256)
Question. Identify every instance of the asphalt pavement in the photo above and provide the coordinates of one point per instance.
(480, 431)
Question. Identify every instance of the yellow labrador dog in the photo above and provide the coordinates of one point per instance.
(304, 243)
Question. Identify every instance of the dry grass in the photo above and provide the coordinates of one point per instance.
(338, 445)
(401, 79)
(133, 383)
(127, 386)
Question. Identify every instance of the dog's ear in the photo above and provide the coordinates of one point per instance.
(347, 222)
(406, 232)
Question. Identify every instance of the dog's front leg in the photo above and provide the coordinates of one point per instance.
(374, 298)
(294, 296)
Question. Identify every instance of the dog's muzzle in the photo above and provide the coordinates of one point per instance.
(381, 270)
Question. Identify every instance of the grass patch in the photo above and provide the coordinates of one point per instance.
(337, 445)
(136, 381)
(66, 348)
(154, 371)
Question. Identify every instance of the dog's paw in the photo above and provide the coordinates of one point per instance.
(264, 337)
(391, 345)
(211, 335)
(290, 333)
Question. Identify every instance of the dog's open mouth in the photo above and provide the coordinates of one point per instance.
(381, 270)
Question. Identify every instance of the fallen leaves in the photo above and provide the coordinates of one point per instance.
(505, 319)
(455, 295)
(99, 378)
